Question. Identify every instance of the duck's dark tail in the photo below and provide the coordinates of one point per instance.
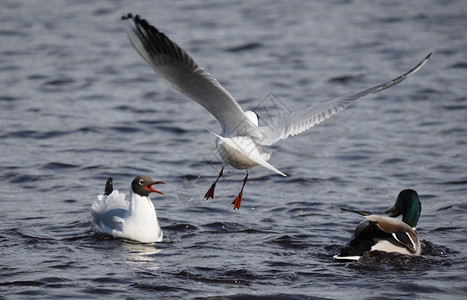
(363, 213)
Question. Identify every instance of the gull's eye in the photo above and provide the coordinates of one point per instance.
(141, 181)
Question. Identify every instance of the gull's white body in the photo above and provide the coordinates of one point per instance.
(135, 219)
(241, 152)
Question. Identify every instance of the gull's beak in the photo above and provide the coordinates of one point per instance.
(149, 187)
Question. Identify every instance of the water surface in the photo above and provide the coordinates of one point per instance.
(77, 105)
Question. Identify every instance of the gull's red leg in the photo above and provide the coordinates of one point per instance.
(210, 192)
(238, 200)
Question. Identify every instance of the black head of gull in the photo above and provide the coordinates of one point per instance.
(142, 185)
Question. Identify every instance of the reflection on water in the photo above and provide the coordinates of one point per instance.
(141, 256)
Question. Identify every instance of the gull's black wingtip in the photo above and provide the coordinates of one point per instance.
(131, 16)
(137, 19)
(109, 186)
(127, 16)
(428, 56)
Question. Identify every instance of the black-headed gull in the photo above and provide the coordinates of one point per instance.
(387, 234)
(239, 144)
(135, 219)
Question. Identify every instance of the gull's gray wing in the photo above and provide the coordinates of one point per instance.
(176, 66)
(299, 121)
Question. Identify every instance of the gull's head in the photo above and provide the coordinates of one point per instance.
(253, 117)
(142, 185)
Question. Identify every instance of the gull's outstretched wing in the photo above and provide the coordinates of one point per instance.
(299, 121)
(176, 66)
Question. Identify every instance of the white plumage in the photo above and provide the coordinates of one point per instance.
(135, 219)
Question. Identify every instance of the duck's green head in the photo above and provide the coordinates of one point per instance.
(408, 204)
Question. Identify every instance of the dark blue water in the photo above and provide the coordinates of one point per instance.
(77, 105)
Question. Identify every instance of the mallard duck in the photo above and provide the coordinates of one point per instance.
(387, 234)
(135, 219)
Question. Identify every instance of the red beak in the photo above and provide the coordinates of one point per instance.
(149, 187)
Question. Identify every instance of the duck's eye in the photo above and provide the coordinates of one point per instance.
(141, 181)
